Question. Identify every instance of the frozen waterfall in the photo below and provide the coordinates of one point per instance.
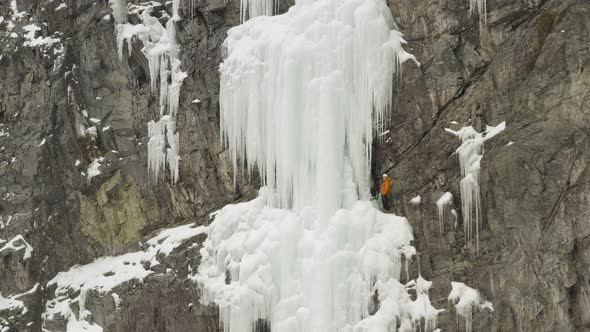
(300, 95)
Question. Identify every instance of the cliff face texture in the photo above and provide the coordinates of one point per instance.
(527, 64)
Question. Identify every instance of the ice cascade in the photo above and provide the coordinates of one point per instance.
(161, 51)
(299, 272)
(300, 95)
(470, 153)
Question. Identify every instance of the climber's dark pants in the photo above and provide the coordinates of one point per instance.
(385, 202)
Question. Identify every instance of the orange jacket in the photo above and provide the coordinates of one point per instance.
(386, 186)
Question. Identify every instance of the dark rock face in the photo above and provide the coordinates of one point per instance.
(530, 70)
(528, 67)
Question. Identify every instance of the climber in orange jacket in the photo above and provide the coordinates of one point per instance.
(384, 192)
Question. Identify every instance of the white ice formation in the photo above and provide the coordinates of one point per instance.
(466, 300)
(161, 51)
(17, 243)
(470, 153)
(479, 7)
(422, 307)
(252, 8)
(300, 272)
(300, 95)
(416, 200)
(445, 200)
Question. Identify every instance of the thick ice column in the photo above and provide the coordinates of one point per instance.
(300, 93)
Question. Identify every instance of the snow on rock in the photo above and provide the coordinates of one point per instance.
(445, 200)
(16, 244)
(470, 153)
(16, 15)
(308, 86)
(32, 41)
(466, 300)
(161, 51)
(93, 169)
(12, 306)
(303, 273)
(104, 274)
(416, 200)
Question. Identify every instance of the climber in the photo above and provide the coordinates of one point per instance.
(384, 192)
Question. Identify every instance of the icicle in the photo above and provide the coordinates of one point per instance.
(470, 153)
(466, 300)
(252, 8)
(157, 146)
(444, 200)
(161, 51)
(119, 8)
(479, 7)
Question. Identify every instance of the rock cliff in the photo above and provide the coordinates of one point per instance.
(526, 64)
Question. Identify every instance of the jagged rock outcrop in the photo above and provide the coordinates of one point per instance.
(528, 66)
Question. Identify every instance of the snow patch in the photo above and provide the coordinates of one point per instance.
(10, 303)
(16, 15)
(106, 273)
(32, 41)
(416, 200)
(93, 169)
(18, 243)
